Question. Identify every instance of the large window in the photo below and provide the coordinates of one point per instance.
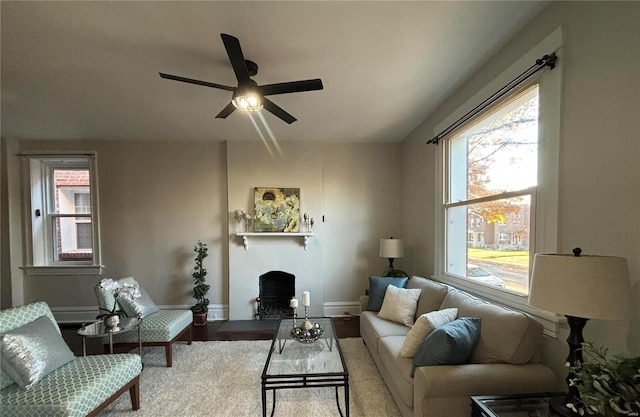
(62, 231)
(498, 185)
(491, 179)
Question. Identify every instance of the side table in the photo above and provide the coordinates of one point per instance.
(98, 329)
(526, 405)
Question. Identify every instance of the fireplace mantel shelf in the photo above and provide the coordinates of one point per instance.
(246, 235)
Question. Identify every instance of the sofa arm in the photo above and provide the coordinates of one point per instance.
(433, 386)
(364, 302)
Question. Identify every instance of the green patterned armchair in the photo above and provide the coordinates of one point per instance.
(159, 327)
(40, 377)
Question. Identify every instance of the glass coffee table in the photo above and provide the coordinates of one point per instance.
(292, 364)
(532, 405)
(98, 329)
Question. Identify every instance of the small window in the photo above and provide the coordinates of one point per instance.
(63, 214)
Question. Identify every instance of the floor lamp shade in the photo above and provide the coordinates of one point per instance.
(592, 287)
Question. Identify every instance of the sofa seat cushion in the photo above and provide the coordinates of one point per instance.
(372, 328)
(397, 367)
(506, 336)
(431, 296)
(162, 326)
(73, 390)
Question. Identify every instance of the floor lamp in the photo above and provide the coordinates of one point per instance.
(581, 287)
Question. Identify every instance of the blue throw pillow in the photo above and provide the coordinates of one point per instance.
(378, 287)
(450, 344)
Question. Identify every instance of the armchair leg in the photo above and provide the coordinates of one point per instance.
(134, 393)
(168, 354)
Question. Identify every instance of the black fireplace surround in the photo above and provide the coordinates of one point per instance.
(276, 290)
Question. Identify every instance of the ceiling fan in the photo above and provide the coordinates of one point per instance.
(248, 95)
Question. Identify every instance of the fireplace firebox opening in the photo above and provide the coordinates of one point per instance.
(276, 290)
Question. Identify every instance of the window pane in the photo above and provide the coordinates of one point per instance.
(498, 153)
(488, 243)
(72, 195)
(73, 239)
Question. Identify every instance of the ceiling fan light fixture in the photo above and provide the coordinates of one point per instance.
(247, 100)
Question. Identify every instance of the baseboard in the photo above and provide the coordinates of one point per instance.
(72, 315)
(341, 308)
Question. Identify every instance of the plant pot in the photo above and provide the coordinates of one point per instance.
(199, 319)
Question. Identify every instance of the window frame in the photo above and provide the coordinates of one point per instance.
(38, 254)
(545, 199)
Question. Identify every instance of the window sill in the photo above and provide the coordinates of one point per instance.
(63, 270)
(549, 321)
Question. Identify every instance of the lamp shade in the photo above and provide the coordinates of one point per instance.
(591, 287)
(391, 248)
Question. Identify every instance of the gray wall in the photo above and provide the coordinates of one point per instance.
(158, 198)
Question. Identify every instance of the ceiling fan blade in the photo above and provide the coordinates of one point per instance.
(291, 87)
(226, 111)
(198, 82)
(277, 111)
(232, 45)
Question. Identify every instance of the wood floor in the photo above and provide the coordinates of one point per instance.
(217, 330)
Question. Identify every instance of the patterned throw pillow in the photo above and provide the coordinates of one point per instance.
(31, 352)
(400, 304)
(425, 324)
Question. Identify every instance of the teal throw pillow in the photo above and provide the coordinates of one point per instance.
(378, 288)
(450, 344)
(31, 352)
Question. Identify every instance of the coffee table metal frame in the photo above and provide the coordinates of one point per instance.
(304, 380)
(98, 329)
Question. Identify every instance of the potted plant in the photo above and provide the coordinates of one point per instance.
(200, 288)
(607, 387)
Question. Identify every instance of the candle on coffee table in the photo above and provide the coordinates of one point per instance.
(293, 303)
(306, 299)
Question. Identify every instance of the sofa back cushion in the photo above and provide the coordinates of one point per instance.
(431, 296)
(506, 336)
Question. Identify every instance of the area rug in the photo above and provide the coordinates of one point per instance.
(223, 379)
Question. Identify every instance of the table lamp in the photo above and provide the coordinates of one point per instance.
(581, 288)
(392, 248)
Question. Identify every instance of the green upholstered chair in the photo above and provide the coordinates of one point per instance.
(159, 327)
(82, 387)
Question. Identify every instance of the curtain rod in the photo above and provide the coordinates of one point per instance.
(546, 61)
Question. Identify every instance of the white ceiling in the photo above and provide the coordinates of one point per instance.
(89, 70)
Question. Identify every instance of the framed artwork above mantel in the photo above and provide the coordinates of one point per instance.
(276, 210)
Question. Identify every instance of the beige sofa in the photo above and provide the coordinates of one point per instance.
(504, 360)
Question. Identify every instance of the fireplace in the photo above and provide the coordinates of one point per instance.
(276, 290)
